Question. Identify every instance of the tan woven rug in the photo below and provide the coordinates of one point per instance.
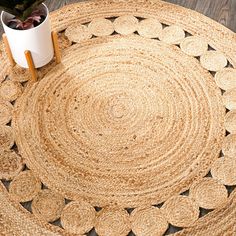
(134, 133)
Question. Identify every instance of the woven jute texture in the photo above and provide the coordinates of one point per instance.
(134, 133)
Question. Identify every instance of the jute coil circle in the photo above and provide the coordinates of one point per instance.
(24, 187)
(16, 71)
(181, 211)
(126, 24)
(229, 99)
(229, 145)
(230, 121)
(78, 217)
(213, 60)
(101, 27)
(112, 222)
(131, 118)
(194, 46)
(226, 78)
(172, 34)
(208, 193)
(63, 41)
(92, 141)
(10, 90)
(5, 112)
(77, 32)
(48, 205)
(10, 164)
(224, 170)
(148, 221)
(150, 28)
(6, 137)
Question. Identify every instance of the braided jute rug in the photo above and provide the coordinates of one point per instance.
(134, 133)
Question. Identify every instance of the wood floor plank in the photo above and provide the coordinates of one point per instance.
(53, 5)
(185, 3)
(218, 10)
(232, 16)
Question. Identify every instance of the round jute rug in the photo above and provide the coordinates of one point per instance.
(134, 133)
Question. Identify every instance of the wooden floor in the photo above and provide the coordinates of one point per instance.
(223, 11)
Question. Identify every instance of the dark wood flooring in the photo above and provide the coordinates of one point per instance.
(223, 11)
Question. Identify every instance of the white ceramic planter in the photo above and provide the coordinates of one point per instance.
(37, 40)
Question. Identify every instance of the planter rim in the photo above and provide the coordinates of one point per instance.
(32, 29)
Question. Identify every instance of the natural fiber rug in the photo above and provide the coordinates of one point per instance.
(134, 133)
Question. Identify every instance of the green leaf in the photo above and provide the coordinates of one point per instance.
(22, 9)
(27, 12)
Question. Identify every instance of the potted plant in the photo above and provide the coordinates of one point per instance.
(27, 27)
